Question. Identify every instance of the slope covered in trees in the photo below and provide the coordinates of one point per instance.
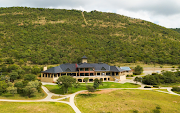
(176, 29)
(53, 36)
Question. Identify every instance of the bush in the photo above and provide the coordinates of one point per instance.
(153, 73)
(147, 86)
(176, 89)
(155, 86)
(138, 70)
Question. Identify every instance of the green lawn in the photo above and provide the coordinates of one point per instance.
(35, 107)
(128, 101)
(55, 89)
(170, 85)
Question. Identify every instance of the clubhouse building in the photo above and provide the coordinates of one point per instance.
(83, 70)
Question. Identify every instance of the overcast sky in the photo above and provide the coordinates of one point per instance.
(163, 12)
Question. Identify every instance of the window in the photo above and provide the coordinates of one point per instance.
(73, 74)
(86, 74)
(91, 69)
(43, 75)
(107, 73)
(48, 75)
(52, 75)
(58, 74)
(55, 75)
(79, 80)
(62, 74)
(91, 74)
(116, 73)
(103, 68)
(86, 69)
(98, 73)
(81, 69)
(81, 74)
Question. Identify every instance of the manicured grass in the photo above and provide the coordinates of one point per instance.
(19, 97)
(161, 90)
(35, 107)
(170, 85)
(56, 97)
(55, 89)
(66, 99)
(128, 101)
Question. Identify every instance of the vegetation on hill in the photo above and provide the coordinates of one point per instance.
(55, 36)
(176, 29)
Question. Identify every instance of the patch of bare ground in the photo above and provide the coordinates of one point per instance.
(43, 21)
(15, 13)
(100, 91)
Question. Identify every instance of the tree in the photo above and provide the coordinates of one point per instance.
(29, 91)
(35, 70)
(3, 87)
(12, 90)
(138, 70)
(30, 77)
(19, 86)
(90, 89)
(35, 84)
(9, 61)
(13, 76)
(137, 79)
(96, 83)
(76, 84)
(64, 82)
(86, 80)
(21, 61)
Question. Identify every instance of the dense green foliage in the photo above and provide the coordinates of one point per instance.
(177, 29)
(138, 70)
(55, 36)
(165, 77)
(176, 89)
(65, 82)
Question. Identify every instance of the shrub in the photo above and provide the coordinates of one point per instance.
(147, 86)
(155, 86)
(176, 89)
(138, 70)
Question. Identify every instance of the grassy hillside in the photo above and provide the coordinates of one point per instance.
(53, 36)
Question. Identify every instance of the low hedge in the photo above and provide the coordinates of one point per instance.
(147, 86)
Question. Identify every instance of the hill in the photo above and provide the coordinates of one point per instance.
(176, 29)
(53, 36)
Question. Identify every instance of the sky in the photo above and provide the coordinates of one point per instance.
(165, 13)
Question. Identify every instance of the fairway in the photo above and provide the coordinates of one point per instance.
(55, 89)
(38, 107)
(128, 101)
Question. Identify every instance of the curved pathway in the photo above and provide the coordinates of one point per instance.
(72, 96)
